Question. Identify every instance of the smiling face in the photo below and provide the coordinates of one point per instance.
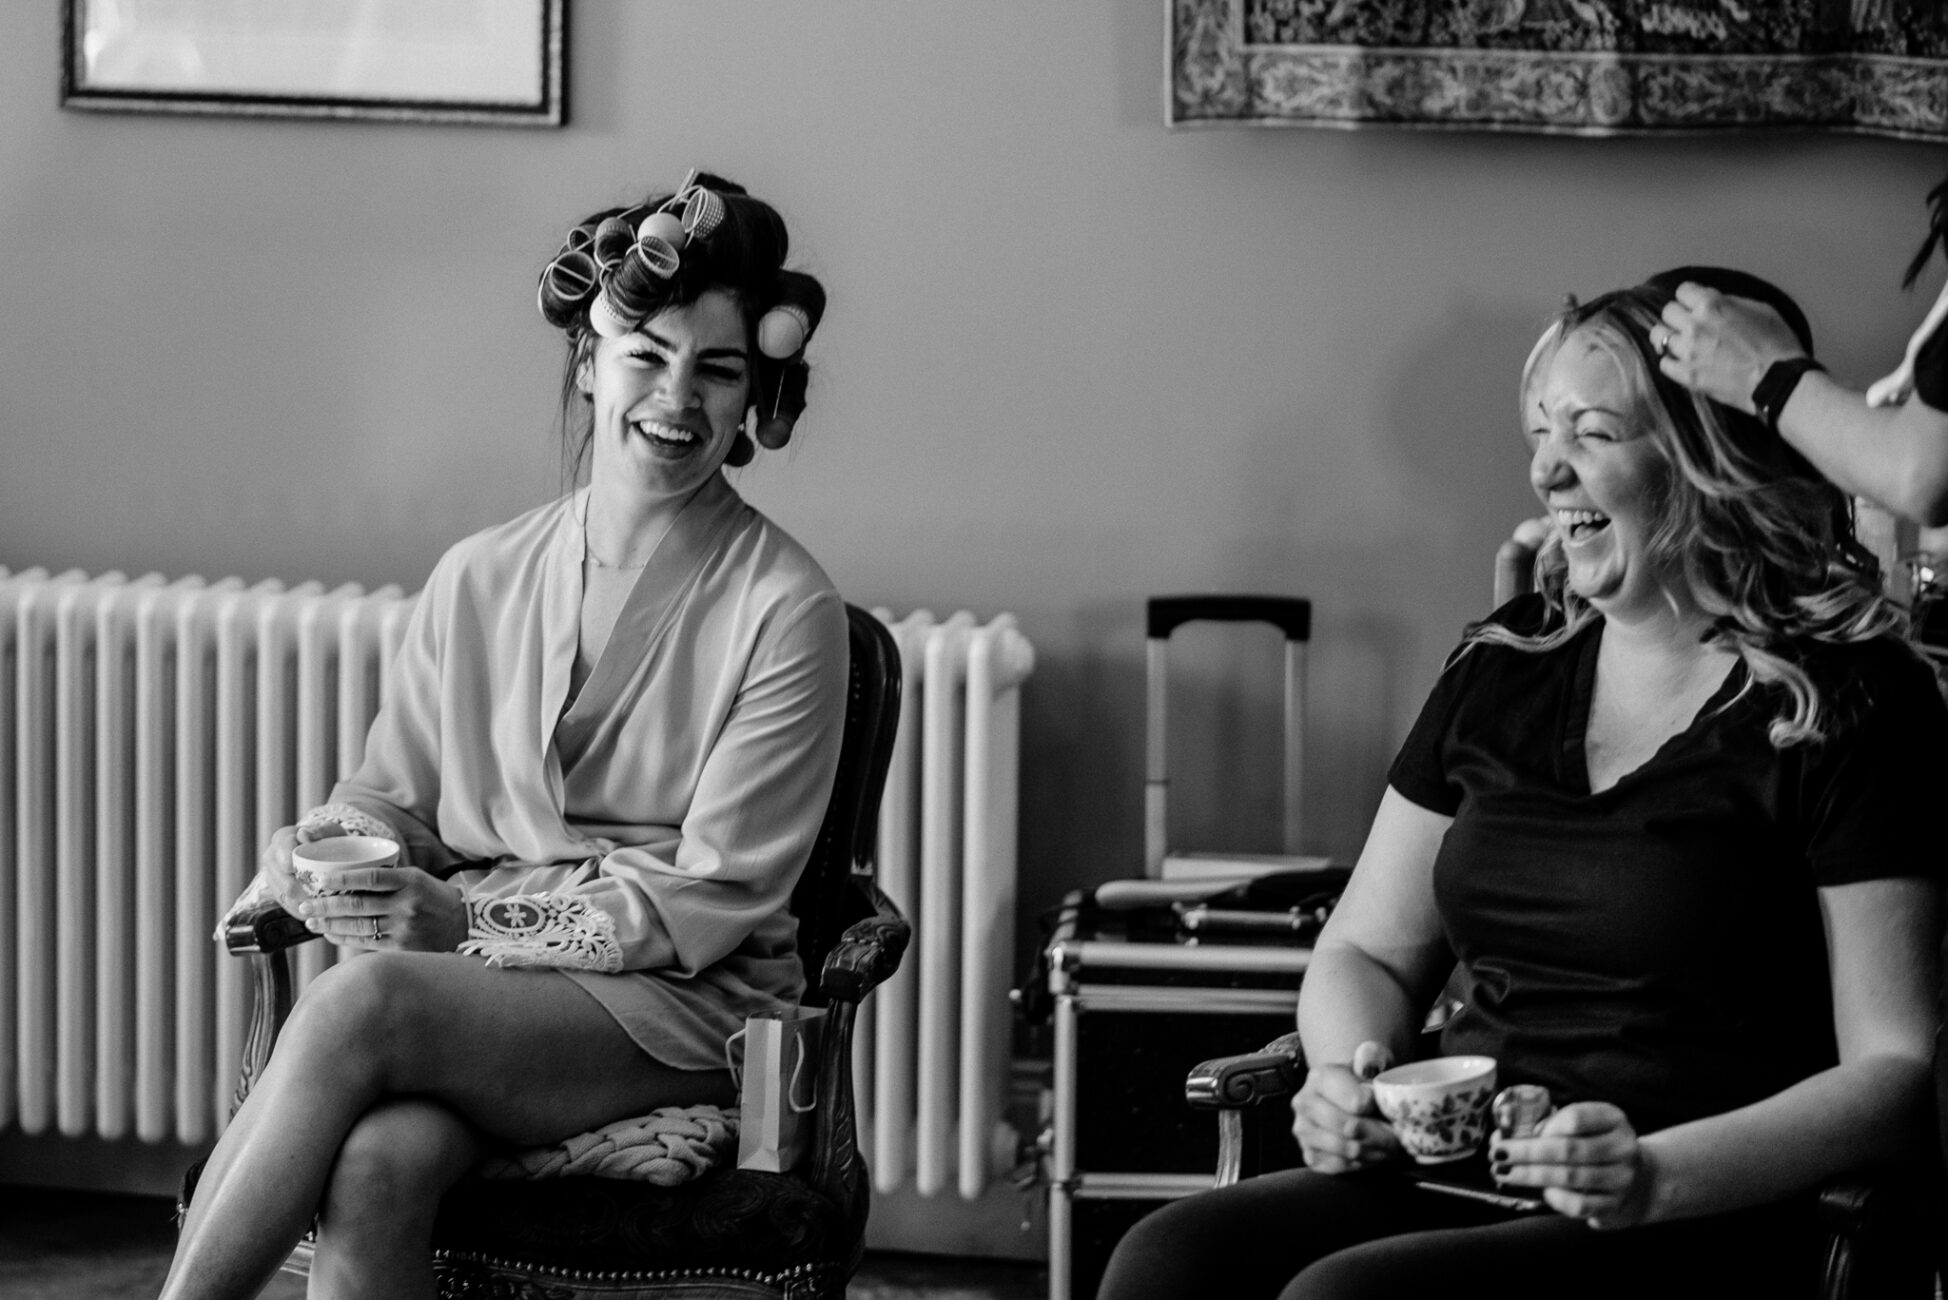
(1596, 464)
(669, 398)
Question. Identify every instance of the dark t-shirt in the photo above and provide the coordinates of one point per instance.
(1931, 369)
(1658, 945)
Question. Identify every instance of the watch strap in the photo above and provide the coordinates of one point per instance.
(1775, 386)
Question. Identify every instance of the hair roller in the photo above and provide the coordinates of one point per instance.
(658, 256)
(613, 240)
(565, 284)
(787, 404)
(703, 212)
(741, 450)
(606, 320)
(661, 224)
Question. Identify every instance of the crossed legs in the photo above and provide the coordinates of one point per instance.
(393, 1071)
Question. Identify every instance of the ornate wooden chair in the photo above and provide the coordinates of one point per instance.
(1886, 1228)
(731, 1232)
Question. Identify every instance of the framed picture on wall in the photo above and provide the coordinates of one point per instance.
(491, 62)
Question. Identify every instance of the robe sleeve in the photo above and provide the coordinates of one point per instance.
(749, 830)
(398, 781)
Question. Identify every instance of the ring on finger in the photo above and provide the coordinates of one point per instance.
(1661, 340)
(377, 933)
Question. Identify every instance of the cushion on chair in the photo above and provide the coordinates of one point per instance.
(668, 1146)
(728, 1218)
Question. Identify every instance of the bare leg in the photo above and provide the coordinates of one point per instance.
(521, 1055)
(375, 1230)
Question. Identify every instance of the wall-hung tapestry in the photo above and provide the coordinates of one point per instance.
(1582, 67)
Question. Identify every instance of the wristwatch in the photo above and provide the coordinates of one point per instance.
(1775, 386)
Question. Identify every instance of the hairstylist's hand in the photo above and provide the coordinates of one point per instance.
(1338, 1127)
(1588, 1163)
(1721, 347)
(400, 908)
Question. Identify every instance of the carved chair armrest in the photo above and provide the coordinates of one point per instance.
(1879, 1224)
(869, 951)
(265, 928)
(1233, 1082)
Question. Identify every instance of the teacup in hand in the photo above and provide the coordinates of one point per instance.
(1439, 1107)
(319, 864)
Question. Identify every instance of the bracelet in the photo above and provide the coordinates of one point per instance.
(1775, 386)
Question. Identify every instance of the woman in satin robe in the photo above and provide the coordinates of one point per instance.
(606, 746)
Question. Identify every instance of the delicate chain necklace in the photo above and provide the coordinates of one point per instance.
(601, 563)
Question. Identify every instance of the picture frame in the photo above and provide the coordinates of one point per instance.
(489, 62)
(1562, 67)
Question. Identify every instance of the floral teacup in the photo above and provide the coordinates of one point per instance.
(1438, 1108)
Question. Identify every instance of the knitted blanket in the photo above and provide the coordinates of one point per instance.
(668, 1146)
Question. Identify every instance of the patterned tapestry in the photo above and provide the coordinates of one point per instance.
(1580, 67)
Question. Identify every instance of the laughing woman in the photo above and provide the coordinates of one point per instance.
(606, 746)
(1668, 815)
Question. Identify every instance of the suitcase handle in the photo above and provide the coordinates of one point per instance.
(1290, 614)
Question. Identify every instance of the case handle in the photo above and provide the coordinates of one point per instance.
(1292, 615)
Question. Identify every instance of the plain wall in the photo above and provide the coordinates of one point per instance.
(1073, 358)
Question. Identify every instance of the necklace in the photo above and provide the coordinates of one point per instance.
(601, 563)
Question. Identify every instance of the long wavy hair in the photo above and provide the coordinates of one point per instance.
(1762, 543)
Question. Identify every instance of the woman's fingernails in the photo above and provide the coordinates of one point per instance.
(314, 924)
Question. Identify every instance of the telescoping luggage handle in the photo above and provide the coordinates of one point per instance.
(1291, 615)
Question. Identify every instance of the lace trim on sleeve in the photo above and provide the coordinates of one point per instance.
(542, 930)
(353, 821)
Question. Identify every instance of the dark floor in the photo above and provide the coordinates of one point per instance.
(61, 1245)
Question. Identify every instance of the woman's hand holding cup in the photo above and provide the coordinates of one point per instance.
(277, 866)
(1587, 1162)
(1334, 1117)
(356, 895)
(400, 908)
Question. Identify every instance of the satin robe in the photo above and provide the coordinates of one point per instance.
(680, 792)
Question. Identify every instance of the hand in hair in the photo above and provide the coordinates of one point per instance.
(1721, 346)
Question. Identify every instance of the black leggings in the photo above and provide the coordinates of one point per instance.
(1305, 1236)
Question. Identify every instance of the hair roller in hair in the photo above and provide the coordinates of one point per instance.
(782, 331)
(613, 240)
(605, 320)
(661, 224)
(787, 404)
(565, 282)
(741, 450)
(658, 256)
(703, 212)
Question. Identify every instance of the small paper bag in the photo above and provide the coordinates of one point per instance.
(777, 1087)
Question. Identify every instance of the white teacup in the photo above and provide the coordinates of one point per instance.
(1439, 1108)
(317, 864)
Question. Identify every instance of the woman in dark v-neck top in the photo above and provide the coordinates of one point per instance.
(1716, 956)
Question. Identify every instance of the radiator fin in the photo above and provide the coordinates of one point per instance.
(932, 1055)
(152, 733)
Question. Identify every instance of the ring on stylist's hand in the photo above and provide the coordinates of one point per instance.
(1660, 340)
(376, 934)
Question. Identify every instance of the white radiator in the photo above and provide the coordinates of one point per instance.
(152, 735)
(932, 1053)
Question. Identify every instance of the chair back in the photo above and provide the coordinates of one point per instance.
(848, 837)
